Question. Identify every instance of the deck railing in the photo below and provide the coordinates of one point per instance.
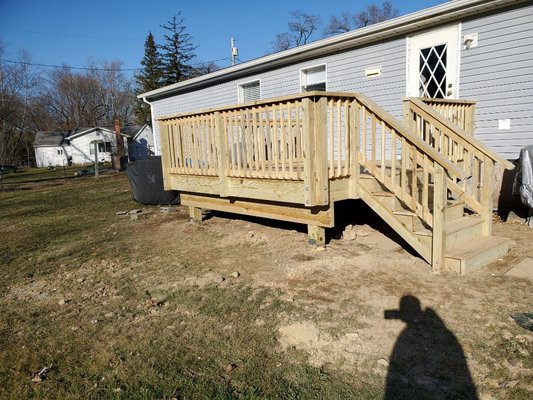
(297, 138)
(475, 160)
(459, 112)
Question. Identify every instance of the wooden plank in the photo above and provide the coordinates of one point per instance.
(486, 195)
(438, 243)
(290, 138)
(318, 216)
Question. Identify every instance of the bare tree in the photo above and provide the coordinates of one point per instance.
(92, 98)
(300, 30)
(204, 68)
(18, 84)
(372, 15)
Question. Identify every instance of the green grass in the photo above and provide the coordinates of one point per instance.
(31, 175)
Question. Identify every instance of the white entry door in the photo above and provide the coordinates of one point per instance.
(433, 61)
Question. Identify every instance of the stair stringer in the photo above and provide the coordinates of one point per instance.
(395, 224)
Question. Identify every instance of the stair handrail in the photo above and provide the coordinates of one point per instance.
(450, 168)
(459, 134)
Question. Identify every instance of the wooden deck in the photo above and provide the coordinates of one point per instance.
(292, 158)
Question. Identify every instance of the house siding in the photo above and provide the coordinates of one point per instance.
(49, 157)
(345, 73)
(80, 147)
(498, 74)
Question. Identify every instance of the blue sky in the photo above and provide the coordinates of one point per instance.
(77, 32)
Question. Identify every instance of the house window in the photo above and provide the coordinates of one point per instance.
(249, 91)
(313, 78)
(104, 147)
(60, 152)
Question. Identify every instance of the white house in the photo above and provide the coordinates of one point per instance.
(57, 148)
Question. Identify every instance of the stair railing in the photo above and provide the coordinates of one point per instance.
(475, 159)
(408, 167)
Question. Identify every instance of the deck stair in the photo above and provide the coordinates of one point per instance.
(466, 247)
(464, 232)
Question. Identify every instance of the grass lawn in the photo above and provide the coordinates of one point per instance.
(108, 307)
(75, 298)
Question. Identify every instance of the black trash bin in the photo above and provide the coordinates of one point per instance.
(146, 182)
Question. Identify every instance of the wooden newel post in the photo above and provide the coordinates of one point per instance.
(316, 184)
(439, 219)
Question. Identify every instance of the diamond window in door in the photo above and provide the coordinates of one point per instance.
(432, 78)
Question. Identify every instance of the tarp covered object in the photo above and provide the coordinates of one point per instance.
(146, 181)
(523, 183)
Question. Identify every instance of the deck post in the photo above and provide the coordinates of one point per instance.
(316, 183)
(316, 235)
(439, 220)
(195, 213)
(165, 153)
(222, 146)
(487, 184)
(353, 135)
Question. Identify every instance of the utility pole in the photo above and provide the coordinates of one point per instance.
(234, 51)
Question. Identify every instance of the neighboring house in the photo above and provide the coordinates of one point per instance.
(479, 50)
(51, 148)
(140, 141)
(57, 148)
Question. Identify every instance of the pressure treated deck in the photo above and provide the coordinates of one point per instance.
(292, 158)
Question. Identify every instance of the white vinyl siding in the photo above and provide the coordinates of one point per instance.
(249, 91)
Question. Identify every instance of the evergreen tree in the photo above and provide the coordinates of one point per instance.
(176, 52)
(149, 78)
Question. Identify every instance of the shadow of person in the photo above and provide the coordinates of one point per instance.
(427, 361)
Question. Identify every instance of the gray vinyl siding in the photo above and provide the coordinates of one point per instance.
(345, 73)
(498, 74)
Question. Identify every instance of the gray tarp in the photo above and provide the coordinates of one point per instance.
(146, 182)
(523, 183)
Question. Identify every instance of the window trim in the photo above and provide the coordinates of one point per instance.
(240, 89)
(325, 65)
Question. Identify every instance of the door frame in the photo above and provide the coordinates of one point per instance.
(409, 67)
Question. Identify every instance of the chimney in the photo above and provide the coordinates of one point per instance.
(120, 141)
(119, 154)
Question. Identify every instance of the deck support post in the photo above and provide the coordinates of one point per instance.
(316, 235)
(439, 220)
(195, 213)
